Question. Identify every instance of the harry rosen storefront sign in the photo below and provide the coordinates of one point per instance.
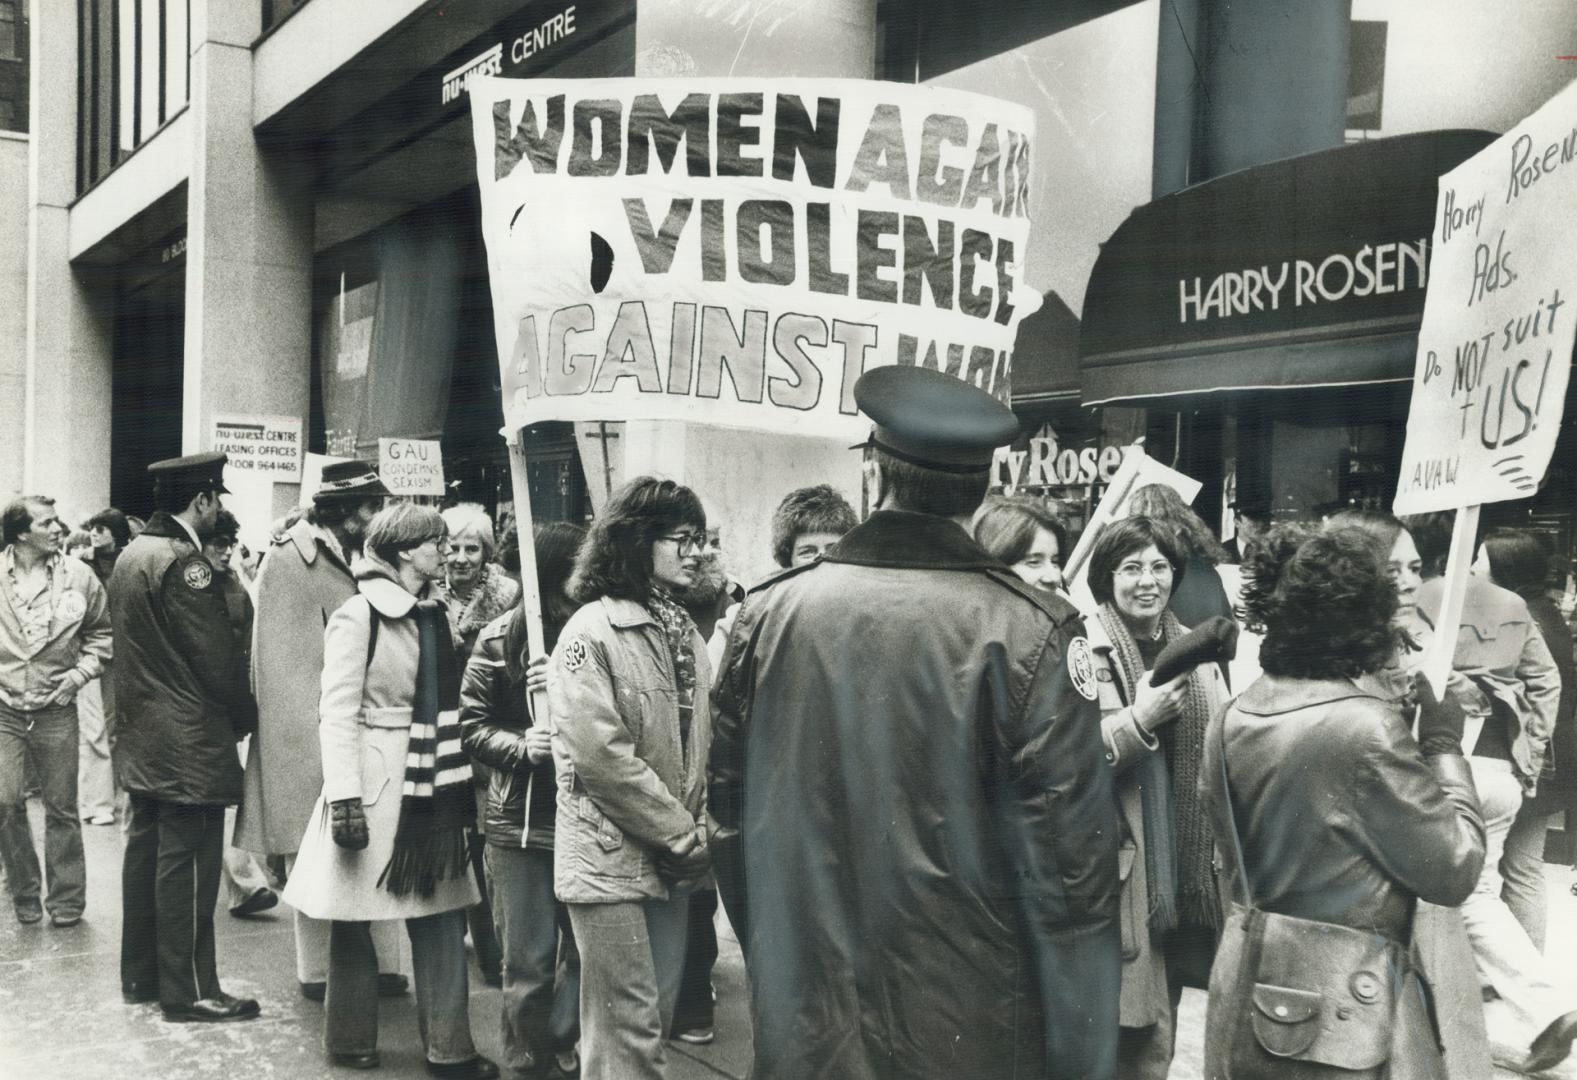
(739, 251)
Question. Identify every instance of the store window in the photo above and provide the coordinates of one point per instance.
(134, 75)
(13, 65)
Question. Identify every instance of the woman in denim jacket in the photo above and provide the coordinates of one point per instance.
(627, 691)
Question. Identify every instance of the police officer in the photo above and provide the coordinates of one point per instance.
(184, 703)
(907, 740)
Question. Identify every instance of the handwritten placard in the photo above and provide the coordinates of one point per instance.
(1495, 347)
(411, 466)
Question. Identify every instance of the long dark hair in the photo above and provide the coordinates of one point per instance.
(556, 544)
(615, 559)
(1518, 560)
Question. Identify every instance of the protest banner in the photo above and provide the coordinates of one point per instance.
(270, 445)
(411, 466)
(739, 251)
(1138, 470)
(1495, 346)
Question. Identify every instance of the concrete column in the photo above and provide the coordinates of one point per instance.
(740, 475)
(249, 247)
(1241, 84)
(66, 381)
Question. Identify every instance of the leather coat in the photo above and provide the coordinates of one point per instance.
(926, 818)
(1341, 817)
(180, 675)
(495, 713)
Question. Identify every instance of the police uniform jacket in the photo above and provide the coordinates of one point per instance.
(907, 738)
(180, 677)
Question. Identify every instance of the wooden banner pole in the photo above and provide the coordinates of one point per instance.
(530, 597)
(1442, 648)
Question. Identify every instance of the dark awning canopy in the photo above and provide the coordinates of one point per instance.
(1304, 272)
(1046, 355)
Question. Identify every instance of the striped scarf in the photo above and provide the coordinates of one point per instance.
(436, 803)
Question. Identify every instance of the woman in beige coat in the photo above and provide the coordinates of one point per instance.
(386, 839)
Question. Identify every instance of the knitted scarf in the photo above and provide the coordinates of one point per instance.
(1179, 844)
(436, 803)
(680, 631)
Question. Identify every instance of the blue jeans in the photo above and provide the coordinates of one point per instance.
(631, 963)
(541, 999)
(50, 736)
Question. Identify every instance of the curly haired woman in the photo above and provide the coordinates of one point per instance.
(1328, 809)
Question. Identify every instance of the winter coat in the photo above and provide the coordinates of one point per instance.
(365, 714)
(1499, 647)
(1341, 817)
(495, 712)
(908, 743)
(1145, 994)
(180, 679)
(301, 583)
(628, 787)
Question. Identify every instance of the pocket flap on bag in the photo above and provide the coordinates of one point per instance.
(1286, 1021)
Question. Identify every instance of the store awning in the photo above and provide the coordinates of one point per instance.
(1046, 355)
(1299, 273)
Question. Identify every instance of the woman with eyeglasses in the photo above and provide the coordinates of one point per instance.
(387, 836)
(1154, 735)
(627, 689)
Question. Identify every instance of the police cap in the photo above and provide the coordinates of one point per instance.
(194, 473)
(929, 418)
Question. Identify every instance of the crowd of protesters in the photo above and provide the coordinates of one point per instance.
(958, 826)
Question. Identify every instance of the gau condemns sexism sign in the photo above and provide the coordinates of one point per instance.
(1495, 348)
(739, 251)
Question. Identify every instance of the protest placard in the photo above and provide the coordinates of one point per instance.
(270, 445)
(1495, 347)
(411, 466)
(738, 251)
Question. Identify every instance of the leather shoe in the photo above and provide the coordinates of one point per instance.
(478, 1068)
(260, 900)
(64, 919)
(29, 912)
(355, 1061)
(392, 985)
(220, 1010)
(1553, 1044)
(314, 991)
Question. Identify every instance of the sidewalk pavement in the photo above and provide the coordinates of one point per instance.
(61, 1015)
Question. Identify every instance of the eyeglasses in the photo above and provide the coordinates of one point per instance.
(1132, 571)
(687, 542)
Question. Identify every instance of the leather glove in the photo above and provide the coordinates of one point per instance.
(1440, 723)
(687, 860)
(350, 824)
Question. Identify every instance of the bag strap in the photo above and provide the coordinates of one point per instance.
(1226, 791)
(375, 620)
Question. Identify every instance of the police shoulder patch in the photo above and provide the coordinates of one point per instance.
(1081, 667)
(197, 574)
(575, 654)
